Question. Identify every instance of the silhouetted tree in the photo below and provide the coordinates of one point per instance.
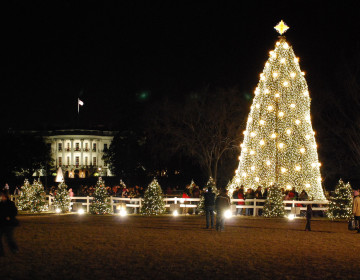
(207, 127)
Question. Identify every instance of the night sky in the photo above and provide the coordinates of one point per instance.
(121, 56)
(110, 53)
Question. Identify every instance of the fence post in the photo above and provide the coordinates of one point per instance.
(49, 201)
(254, 214)
(111, 203)
(140, 203)
(87, 204)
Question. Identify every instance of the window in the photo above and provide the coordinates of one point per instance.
(60, 161)
(94, 147)
(60, 147)
(86, 160)
(68, 161)
(86, 147)
(68, 147)
(105, 147)
(94, 160)
(77, 148)
(77, 159)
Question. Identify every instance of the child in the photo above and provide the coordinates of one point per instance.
(308, 217)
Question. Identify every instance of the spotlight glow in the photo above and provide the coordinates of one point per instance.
(291, 217)
(123, 212)
(227, 214)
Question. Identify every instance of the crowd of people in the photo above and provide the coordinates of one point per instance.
(117, 191)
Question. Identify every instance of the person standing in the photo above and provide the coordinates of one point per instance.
(241, 196)
(222, 203)
(209, 204)
(308, 217)
(356, 210)
(8, 222)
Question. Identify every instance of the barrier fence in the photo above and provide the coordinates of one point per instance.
(255, 205)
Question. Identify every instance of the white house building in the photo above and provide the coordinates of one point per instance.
(79, 152)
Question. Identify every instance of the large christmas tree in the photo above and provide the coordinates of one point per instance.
(279, 143)
(340, 206)
(153, 203)
(101, 202)
(32, 197)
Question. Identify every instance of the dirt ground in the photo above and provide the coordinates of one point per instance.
(136, 247)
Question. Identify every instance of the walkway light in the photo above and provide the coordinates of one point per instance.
(123, 212)
(227, 214)
(291, 217)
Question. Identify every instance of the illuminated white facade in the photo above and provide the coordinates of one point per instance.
(80, 152)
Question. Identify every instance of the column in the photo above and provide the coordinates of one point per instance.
(56, 153)
(90, 159)
(72, 152)
(81, 147)
(63, 152)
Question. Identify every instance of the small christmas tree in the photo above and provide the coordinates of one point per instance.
(274, 206)
(101, 200)
(32, 197)
(340, 206)
(153, 200)
(211, 183)
(62, 198)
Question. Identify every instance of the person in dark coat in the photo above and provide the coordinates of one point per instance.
(209, 204)
(308, 217)
(222, 203)
(8, 222)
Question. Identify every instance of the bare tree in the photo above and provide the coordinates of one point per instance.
(206, 127)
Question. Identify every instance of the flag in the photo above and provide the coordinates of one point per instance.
(80, 103)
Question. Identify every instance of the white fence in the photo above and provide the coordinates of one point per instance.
(185, 203)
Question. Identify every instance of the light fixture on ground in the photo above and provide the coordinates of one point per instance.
(291, 217)
(81, 211)
(227, 214)
(122, 212)
(58, 210)
(175, 213)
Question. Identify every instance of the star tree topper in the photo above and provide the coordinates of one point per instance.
(281, 27)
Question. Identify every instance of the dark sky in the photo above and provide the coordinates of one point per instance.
(109, 52)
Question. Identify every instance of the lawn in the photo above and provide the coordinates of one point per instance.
(136, 247)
